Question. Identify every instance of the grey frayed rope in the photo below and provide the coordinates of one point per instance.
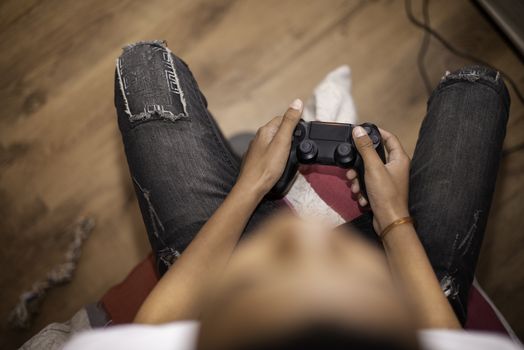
(30, 300)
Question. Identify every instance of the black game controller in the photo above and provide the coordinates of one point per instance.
(326, 144)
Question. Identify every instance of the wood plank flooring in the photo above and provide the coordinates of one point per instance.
(61, 156)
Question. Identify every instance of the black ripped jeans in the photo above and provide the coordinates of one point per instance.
(183, 168)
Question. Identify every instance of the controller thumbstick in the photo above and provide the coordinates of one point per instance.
(344, 155)
(307, 151)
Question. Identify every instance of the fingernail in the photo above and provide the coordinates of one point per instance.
(296, 104)
(359, 131)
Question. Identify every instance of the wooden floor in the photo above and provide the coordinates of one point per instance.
(60, 152)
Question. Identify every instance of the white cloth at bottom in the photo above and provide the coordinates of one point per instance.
(183, 336)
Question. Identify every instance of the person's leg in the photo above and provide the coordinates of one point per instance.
(181, 165)
(453, 174)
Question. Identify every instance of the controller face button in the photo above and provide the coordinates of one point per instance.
(368, 129)
(375, 138)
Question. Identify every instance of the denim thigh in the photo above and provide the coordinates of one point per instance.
(453, 174)
(181, 165)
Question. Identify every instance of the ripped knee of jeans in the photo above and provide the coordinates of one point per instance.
(149, 83)
(449, 287)
(474, 73)
(166, 257)
(477, 75)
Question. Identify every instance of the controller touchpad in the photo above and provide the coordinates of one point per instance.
(329, 132)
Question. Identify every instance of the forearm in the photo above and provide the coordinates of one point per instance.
(175, 296)
(410, 264)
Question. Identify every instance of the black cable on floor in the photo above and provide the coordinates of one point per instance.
(424, 49)
(428, 32)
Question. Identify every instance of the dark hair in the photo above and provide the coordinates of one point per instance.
(327, 338)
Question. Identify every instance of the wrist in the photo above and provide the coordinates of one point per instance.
(388, 217)
(399, 236)
(402, 221)
(248, 192)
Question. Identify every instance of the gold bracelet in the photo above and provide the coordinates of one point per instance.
(405, 220)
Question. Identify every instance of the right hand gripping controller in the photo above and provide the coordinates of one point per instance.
(326, 144)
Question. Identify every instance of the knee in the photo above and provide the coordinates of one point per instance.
(149, 52)
(474, 73)
(477, 76)
(148, 82)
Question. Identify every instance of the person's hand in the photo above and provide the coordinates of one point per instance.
(268, 153)
(386, 184)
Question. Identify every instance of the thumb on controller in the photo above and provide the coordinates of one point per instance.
(365, 147)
